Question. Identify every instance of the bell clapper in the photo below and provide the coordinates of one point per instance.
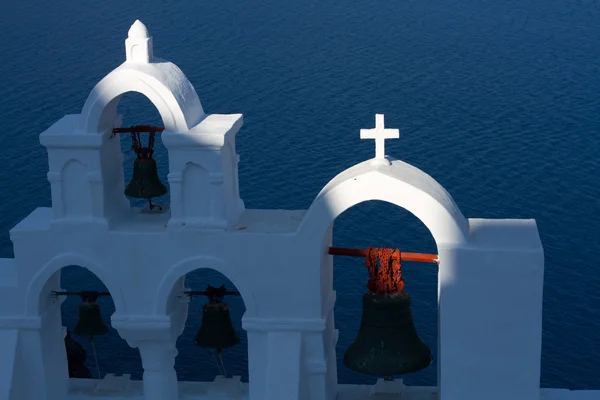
(220, 357)
(219, 368)
(388, 378)
(95, 356)
(152, 206)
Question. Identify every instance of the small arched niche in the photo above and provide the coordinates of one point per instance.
(196, 180)
(74, 172)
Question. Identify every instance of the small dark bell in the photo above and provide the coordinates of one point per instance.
(145, 183)
(216, 330)
(90, 320)
(387, 343)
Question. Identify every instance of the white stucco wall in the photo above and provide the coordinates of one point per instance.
(490, 271)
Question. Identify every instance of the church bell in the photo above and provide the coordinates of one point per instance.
(145, 183)
(387, 343)
(216, 330)
(90, 321)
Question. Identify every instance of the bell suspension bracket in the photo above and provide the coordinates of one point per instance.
(215, 295)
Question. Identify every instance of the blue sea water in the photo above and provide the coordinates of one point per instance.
(499, 100)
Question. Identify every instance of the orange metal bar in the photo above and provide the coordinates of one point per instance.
(418, 257)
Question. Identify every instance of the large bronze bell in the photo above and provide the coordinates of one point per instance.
(90, 319)
(145, 183)
(387, 343)
(216, 330)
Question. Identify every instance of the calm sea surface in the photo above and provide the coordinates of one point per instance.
(499, 100)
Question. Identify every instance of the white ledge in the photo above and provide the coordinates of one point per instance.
(258, 324)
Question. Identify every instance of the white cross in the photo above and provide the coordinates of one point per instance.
(379, 134)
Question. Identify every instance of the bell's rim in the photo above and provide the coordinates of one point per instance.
(220, 306)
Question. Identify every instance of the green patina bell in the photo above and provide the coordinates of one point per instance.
(145, 183)
(90, 320)
(216, 330)
(387, 343)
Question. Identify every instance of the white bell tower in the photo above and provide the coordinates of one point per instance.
(86, 160)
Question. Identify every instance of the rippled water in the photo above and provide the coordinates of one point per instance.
(496, 99)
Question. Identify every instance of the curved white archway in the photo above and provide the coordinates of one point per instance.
(190, 264)
(163, 83)
(34, 290)
(400, 184)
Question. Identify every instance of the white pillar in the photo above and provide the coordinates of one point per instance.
(160, 379)
(275, 356)
(283, 365)
(155, 336)
(41, 357)
(257, 348)
(490, 299)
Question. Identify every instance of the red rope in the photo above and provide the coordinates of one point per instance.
(387, 278)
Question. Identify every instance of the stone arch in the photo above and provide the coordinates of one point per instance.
(400, 184)
(185, 266)
(163, 83)
(35, 287)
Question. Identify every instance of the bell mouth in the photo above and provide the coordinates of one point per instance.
(217, 306)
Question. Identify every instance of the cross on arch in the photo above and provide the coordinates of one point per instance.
(380, 134)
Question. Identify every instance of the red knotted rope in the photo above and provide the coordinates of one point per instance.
(136, 141)
(387, 278)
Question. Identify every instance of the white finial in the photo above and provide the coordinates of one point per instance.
(379, 134)
(138, 30)
(138, 45)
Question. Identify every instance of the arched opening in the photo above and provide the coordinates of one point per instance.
(113, 353)
(163, 83)
(381, 224)
(45, 296)
(136, 109)
(406, 187)
(195, 363)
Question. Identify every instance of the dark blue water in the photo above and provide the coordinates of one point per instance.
(499, 100)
